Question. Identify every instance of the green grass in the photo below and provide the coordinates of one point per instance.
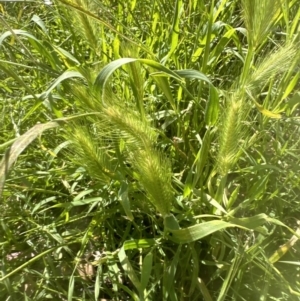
(149, 150)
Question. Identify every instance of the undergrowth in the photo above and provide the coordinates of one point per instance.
(149, 150)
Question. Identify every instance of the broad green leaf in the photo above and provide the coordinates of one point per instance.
(23, 141)
(221, 7)
(198, 52)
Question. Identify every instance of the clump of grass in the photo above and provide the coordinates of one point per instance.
(150, 193)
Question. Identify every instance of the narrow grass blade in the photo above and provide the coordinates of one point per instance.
(27, 263)
(199, 231)
(125, 202)
(108, 70)
(163, 83)
(71, 287)
(201, 158)
(146, 270)
(140, 243)
(124, 260)
(212, 106)
(285, 247)
(204, 229)
(175, 29)
(18, 146)
(205, 292)
(169, 275)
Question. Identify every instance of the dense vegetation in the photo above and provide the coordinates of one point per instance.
(150, 150)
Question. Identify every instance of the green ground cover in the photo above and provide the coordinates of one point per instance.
(150, 150)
